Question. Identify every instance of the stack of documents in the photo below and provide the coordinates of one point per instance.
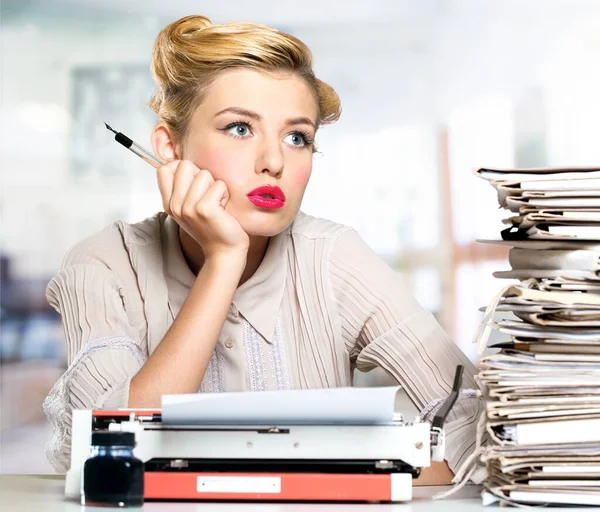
(541, 381)
(548, 203)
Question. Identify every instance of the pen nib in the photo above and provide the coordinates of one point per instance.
(109, 128)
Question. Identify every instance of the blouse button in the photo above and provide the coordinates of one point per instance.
(229, 343)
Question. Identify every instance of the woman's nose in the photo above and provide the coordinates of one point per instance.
(270, 159)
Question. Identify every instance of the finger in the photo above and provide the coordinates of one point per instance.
(164, 176)
(201, 183)
(216, 196)
(184, 175)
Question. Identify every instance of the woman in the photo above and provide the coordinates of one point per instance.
(232, 287)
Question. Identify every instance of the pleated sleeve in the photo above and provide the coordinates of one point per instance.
(103, 349)
(384, 326)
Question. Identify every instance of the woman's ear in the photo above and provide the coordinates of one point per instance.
(163, 143)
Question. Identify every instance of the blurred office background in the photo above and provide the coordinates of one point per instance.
(429, 88)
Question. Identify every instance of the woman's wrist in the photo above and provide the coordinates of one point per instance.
(234, 257)
(230, 264)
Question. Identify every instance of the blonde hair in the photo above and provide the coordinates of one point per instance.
(189, 54)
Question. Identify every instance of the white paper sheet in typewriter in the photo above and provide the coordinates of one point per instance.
(347, 405)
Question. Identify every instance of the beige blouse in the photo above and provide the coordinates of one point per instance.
(320, 305)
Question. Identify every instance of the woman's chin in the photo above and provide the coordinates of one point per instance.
(266, 223)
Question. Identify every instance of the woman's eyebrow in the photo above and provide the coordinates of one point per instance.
(300, 120)
(254, 115)
(240, 111)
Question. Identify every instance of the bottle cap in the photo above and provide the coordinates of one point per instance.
(113, 439)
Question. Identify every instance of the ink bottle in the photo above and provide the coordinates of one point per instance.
(112, 475)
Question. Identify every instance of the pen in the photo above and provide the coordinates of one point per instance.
(144, 154)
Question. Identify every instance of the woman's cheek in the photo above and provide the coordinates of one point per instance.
(299, 178)
(222, 166)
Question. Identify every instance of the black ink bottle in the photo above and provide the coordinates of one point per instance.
(112, 475)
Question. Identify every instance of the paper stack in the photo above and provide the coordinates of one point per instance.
(541, 381)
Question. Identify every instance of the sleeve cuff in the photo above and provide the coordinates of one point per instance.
(461, 439)
(117, 397)
(98, 378)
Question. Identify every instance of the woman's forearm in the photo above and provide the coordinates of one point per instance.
(180, 360)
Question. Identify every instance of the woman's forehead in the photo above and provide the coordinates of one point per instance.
(268, 94)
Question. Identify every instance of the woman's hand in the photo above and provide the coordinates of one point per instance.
(197, 202)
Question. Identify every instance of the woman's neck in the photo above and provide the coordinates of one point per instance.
(194, 256)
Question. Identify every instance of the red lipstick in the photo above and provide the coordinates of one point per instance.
(268, 197)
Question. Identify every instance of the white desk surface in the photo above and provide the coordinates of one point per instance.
(44, 493)
(36, 493)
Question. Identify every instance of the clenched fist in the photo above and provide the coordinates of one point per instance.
(197, 202)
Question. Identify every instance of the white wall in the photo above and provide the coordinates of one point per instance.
(44, 210)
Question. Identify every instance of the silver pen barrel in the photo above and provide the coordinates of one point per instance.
(145, 155)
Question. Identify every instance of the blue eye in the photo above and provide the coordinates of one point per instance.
(238, 129)
(298, 139)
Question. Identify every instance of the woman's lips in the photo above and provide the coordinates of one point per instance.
(267, 197)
